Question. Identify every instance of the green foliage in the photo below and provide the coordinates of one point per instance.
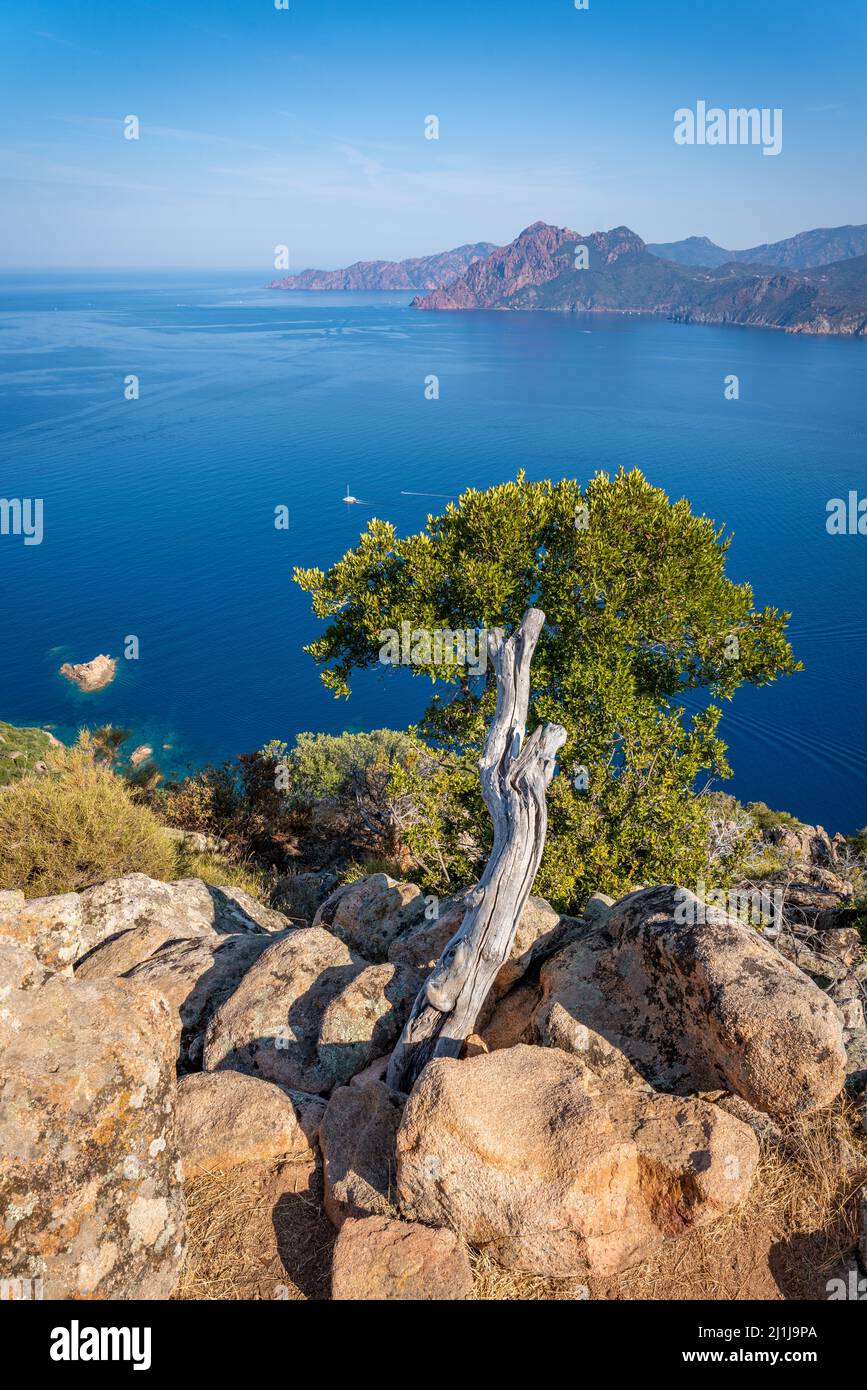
(384, 793)
(340, 768)
(223, 872)
(766, 819)
(858, 842)
(639, 615)
(75, 825)
(20, 751)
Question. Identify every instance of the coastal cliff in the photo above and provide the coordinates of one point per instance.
(546, 268)
(417, 273)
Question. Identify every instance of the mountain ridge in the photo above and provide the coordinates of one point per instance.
(414, 273)
(540, 270)
(803, 251)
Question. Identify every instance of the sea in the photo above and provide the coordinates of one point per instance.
(158, 511)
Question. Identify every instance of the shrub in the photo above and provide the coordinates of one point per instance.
(75, 825)
(20, 751)
(766, 819)
(858, 842)
(384, 795)
(211, 800)
(224, 873)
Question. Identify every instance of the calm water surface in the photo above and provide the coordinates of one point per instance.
(159, 512)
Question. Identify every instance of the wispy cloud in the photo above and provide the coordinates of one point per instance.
(166, 132)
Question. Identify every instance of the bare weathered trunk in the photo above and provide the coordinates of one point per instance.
(515, 775)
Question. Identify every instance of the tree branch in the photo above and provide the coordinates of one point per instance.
(515, 775)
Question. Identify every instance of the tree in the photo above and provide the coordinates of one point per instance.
(640, 617)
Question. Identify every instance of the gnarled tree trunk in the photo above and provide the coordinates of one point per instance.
(515, 775)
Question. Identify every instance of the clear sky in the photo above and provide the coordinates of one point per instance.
(305, 126)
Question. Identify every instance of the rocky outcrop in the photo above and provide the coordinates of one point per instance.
(301, 895)
(595, 1054)
(537, 256)
(90, 1192)
(370, 914)
(364, 1020)
(225, 1119)
(106, 930)
(701, 1004)
(808, 844)
(513, 1019)
(309, 1014)
(91, 675)
(417, 273)
(196, 976)
(52, 928)
(357, 1137)
(558, 1173)
(186, 907)
(121, 953)
(380, 1259)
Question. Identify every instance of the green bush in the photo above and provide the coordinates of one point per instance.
(766, 819)
(75, 825)
(20, 750)
(858, 842)
(382, 795)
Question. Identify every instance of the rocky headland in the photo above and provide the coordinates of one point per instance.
(558, 269)
(417, 273)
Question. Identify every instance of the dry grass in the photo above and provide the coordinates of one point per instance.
(260, 1232)
(224, 872)
(493, 1284)
(798, 1222)
(75, 825)
(257, 1232)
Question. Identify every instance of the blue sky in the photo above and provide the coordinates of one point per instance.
(306, 126)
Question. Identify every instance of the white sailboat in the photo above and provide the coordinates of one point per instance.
(353, 501)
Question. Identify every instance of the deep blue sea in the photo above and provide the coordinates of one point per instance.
(159, 512)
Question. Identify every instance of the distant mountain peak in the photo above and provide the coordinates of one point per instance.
(804, 251)
(541, 269)
(541, 253)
